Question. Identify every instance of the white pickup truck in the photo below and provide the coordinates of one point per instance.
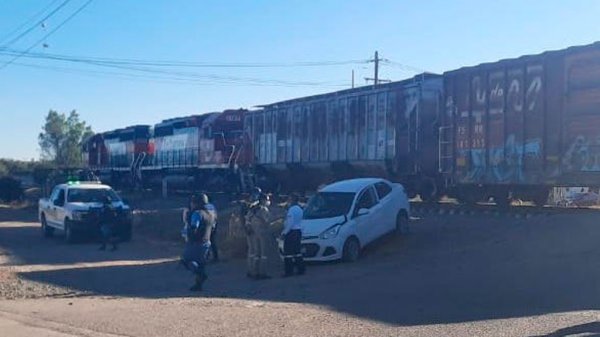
(76, 207)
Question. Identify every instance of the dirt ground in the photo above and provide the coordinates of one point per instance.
(452, 275)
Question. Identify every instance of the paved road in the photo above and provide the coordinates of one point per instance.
(452, 276)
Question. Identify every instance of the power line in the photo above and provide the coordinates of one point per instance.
(26, 22)
(37, 24)
(64, 22)
(164, 63)
(405, 66)
(164, 78)
(178, 73)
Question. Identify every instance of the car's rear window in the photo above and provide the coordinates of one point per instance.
(91, 195)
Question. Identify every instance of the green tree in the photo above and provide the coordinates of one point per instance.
(61, 138)
(4, 171)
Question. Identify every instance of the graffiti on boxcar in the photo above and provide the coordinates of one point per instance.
(507, 162)
(532, 95)
(583, 154)
(506, 149)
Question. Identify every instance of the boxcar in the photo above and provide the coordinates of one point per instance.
(519, 126)
(388, 130)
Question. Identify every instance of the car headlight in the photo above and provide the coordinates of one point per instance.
(330, 232)
(79, 215)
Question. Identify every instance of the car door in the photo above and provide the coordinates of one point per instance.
(389, 209)
(59, 208)
(48, 210)
(365, 224)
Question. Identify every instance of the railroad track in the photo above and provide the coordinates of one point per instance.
(520, 211)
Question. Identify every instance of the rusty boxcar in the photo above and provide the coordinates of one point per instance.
(387, 130)
(517, 127)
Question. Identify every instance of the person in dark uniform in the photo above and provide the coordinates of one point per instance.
(108, 224)
(292, 239)
(198, 243)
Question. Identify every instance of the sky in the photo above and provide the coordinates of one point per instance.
(435, 35)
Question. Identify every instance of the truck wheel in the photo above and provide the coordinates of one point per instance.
(351, 250)
(70, 236)
(46, 231)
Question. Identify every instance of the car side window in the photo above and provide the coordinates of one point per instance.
(383, 189)
(366, 200)
(54, 194)
(60, 198)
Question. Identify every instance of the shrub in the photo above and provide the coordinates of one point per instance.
(10, 189)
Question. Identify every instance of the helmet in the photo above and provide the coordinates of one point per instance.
(255, 194)
(202, 199)
(265, 199)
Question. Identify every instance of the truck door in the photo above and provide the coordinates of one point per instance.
(58, 209)
(48, 209)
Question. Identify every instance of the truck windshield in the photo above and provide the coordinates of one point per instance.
(91, 195)
(328, 205)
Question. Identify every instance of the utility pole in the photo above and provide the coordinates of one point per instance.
(352, 78)
(375, 78)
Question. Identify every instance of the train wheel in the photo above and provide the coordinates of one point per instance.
(502, 199)
(541, 198)
(428, 191)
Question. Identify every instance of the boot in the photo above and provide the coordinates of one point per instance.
(199, 281)
(261, 269)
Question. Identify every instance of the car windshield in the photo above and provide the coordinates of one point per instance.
(328, 205)
(91, 195)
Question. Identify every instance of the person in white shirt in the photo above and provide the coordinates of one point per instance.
(213, 234)
(292, 239)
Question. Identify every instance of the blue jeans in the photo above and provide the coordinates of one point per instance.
(194, 257)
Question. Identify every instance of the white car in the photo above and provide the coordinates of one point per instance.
(344, 217)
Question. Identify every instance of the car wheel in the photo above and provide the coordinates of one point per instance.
(401, 223)
(46, 231)
(351, 250)
(69, 234)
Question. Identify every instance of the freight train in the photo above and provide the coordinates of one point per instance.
(509, 129)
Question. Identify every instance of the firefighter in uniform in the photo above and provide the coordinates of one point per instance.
(249, 210)
(260, 227)
(292, 238)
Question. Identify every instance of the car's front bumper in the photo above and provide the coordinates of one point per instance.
(316, 249)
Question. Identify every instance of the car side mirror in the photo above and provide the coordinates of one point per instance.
(362, 212)
(57, 202)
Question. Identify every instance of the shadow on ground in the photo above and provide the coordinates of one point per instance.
(449, 269)
(588, 329)
(24, 244)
